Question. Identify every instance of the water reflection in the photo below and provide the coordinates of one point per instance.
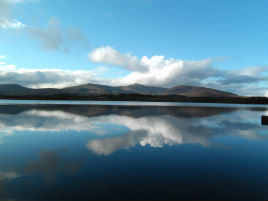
(151, 126)
(50, 164)
(167, 130)
(55, 152)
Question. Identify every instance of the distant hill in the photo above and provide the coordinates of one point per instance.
(92, 89)
(11, 89)
(15, 89)
(193, 91)
(133, 92)
(96, 89)
(142, 89)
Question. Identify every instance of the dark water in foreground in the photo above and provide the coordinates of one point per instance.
(97, 152)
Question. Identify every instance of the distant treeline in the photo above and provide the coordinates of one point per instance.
(141, 97)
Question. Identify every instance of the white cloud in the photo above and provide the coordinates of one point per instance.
(5, 67)
(5, 23)
(3, 64)
(6, 17)
(159, 71)
(43, 78)
(170, 72)
(109, 55)
(54, 37)
(3, 57)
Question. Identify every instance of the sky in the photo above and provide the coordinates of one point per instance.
(220, 44)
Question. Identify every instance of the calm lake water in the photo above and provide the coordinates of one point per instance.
(122, 151)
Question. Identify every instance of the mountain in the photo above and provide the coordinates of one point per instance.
(96, 90)
(92, 89)
(10, 89)
(142, 89)
(193, 91)
(15, 89)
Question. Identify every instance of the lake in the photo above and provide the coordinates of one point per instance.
(64, 150)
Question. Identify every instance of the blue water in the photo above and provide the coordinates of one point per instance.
(62, 151)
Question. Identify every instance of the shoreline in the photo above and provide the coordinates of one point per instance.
(141, 98)
(126, 103)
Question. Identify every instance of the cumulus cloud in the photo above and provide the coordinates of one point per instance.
(170, 72)
(159, 71)
(54, 37)
(109, 55)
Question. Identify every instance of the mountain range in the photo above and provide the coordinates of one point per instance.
(96, 90)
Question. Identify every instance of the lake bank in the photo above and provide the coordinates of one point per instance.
(144, 98)
(125, 103)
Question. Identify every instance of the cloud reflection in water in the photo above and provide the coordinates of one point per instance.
(151, 126)
(51, 152)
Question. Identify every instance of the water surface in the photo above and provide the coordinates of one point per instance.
(132, 152)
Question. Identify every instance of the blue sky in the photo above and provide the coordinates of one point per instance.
(220, 44)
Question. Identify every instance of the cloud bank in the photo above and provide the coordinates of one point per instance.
(154, 71)
(43, 78)
(47, 78)
(159, 71)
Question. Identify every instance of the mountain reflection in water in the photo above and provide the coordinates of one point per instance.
(104, 148)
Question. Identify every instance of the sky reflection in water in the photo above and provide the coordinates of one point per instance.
(63, 152)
